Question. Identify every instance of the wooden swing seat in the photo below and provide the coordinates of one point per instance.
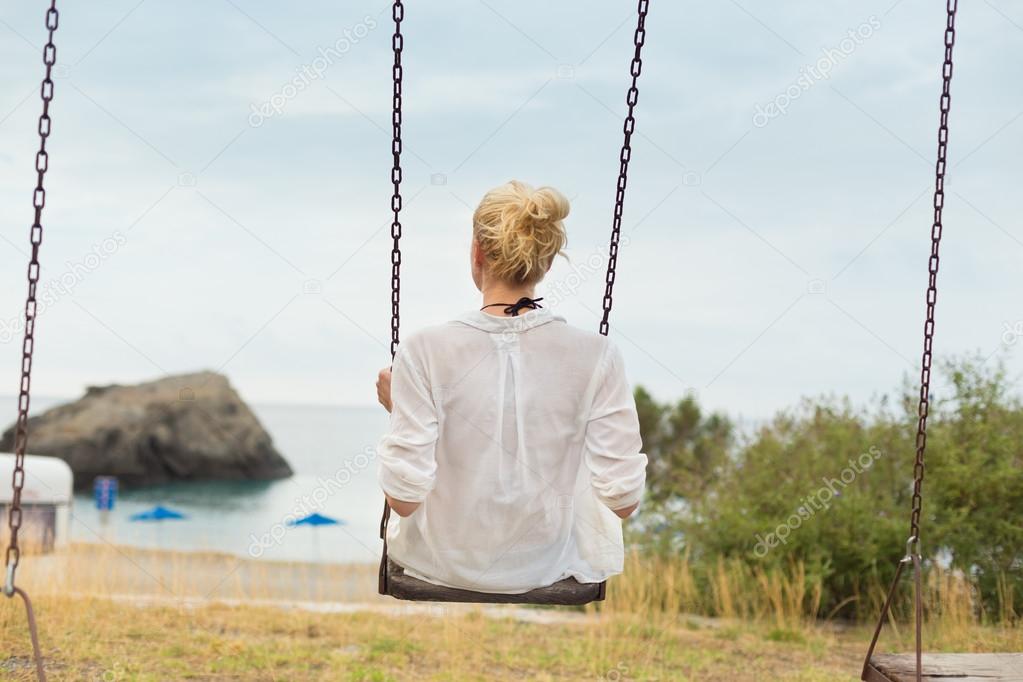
(568, 592)
(942, 667)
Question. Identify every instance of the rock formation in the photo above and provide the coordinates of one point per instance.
(180, 428)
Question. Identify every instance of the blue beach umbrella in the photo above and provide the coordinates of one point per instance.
(157, 513)
(315, 519)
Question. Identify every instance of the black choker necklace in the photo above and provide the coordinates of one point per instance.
(514, 308)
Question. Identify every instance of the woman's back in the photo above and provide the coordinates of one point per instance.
(518, 436)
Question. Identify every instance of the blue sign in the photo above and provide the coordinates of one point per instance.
(104, 492)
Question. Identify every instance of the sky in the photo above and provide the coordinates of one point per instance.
(205, 212)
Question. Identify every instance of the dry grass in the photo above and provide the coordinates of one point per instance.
(89, 639)
(728, 589)
(789, 598)
(116, 614)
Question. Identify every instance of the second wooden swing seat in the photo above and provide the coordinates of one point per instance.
(946, 668)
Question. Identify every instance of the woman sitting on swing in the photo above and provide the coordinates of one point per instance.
(514, 448)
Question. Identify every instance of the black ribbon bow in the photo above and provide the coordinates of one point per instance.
(514, 308)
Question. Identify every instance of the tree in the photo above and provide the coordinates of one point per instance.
(974, 485)
(687, 450)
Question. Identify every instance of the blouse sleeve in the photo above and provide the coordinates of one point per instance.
(407, 453)
(613, 442)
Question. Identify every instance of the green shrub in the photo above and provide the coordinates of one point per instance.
(828, 485)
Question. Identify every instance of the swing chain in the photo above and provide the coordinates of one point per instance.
(639, 38)
(912, 545)
(14, 518)
(912, 557)
(397, 43)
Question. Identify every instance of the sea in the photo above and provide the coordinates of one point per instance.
(330, 449)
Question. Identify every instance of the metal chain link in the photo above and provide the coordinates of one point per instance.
(397, 44)
(14, 518)
(912, 556)
(13, 556)
(639, 38)
(932, 283)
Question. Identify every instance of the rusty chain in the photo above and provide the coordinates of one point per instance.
(397, 44)
(14, 518)
(912, 556)
(923, 408)
(639, 38)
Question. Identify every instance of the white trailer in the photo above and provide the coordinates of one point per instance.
(45, 502)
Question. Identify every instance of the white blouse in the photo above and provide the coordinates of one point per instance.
(518, 435)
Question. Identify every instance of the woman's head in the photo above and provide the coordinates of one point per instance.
(517, 232)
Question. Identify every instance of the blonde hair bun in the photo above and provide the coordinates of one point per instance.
(520, 230)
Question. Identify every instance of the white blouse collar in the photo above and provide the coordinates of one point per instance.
(502, 324)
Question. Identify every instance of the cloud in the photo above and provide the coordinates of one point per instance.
(229, 224)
